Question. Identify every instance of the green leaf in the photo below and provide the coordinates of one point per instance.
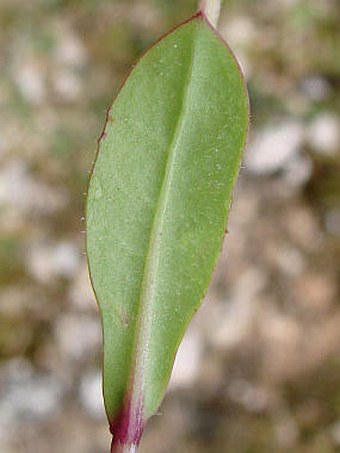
(157, 208)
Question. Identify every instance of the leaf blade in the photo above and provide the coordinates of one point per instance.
(156, 210)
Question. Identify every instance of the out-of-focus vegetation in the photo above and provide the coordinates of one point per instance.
(259, 369)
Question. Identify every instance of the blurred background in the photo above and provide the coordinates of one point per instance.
(259, 369)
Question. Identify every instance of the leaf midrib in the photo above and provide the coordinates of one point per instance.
(153, 251)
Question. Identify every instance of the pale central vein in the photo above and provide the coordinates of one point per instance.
(153, 254)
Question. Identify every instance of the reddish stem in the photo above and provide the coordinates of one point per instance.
(126, 448)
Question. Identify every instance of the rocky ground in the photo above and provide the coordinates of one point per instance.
(259, 369)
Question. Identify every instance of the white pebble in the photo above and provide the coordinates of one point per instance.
(46, 262)
(273, 147)
(316, 88)
(187, 362)
(324, 134)
(90, 394)
(78, 336)
(30, 81)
